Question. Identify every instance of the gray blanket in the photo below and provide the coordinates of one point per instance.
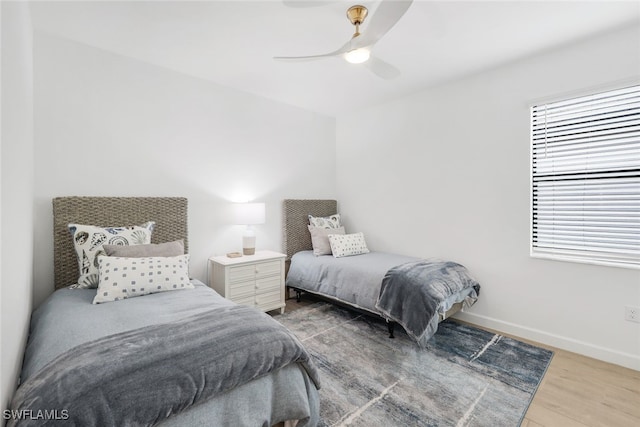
(353, 280)
(143, 376)
(411, 294)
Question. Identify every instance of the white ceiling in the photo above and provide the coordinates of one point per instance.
(232, 42)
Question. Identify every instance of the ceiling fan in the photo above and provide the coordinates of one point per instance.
(358, 49)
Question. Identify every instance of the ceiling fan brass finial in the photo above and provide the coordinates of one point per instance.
(356, 15)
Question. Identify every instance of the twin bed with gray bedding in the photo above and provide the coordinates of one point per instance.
(183, 357)
(412, 292)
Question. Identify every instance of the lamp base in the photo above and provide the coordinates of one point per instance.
(249, 243)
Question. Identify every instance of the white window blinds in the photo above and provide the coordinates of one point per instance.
(586, 178)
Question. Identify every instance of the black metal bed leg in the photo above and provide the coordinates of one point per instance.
(390, 327)
(298, 294)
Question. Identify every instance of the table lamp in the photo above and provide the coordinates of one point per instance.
(249, 214)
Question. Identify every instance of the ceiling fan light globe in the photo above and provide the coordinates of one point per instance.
(357, 56)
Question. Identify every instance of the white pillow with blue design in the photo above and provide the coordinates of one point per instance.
(331, 221)
(348, 244)
(122, 278)
(89, 239)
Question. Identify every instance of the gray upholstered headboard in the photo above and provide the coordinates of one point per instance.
(169, 213)
(295, 221)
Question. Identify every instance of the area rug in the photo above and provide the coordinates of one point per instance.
(465, 377)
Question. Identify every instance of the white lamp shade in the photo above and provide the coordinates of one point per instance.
(248, 213)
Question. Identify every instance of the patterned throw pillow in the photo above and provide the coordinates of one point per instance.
(332, 221)
(348, 244)
(122, 278)
(320, 241)
(88, 241)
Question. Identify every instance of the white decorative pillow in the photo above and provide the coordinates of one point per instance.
(88, 241)
(320, 239)
(122, 278)
(347, 244)
(332, 221)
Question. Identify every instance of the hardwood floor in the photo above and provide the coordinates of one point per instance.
(576, 391)
(580, 391)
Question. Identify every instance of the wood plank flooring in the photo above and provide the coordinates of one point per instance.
(576, 391)
(581, 391)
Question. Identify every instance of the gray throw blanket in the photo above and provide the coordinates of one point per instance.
(411, 294)
(143, 376)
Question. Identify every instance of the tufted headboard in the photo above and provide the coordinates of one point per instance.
(169, 213)
(295, 218)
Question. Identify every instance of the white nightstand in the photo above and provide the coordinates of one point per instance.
(253, 280)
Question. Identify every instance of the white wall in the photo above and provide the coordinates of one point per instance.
(107, 125)
(16, 193)
(445, 173)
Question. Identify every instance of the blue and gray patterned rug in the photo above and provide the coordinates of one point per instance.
(465, 377)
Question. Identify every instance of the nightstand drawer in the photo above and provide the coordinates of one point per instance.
(242, 273)
(268, 298)
(248, 272)
(268, 284)
(241, 289)
(268, 268)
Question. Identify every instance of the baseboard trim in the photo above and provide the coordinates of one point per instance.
(601, 353)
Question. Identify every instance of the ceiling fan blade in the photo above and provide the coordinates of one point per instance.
(387, 15)
(344, 49)
(303, 58)
(381, 68)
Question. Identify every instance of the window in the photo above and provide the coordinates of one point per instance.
(585, 184)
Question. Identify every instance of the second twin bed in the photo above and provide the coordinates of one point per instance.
(416, 293)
